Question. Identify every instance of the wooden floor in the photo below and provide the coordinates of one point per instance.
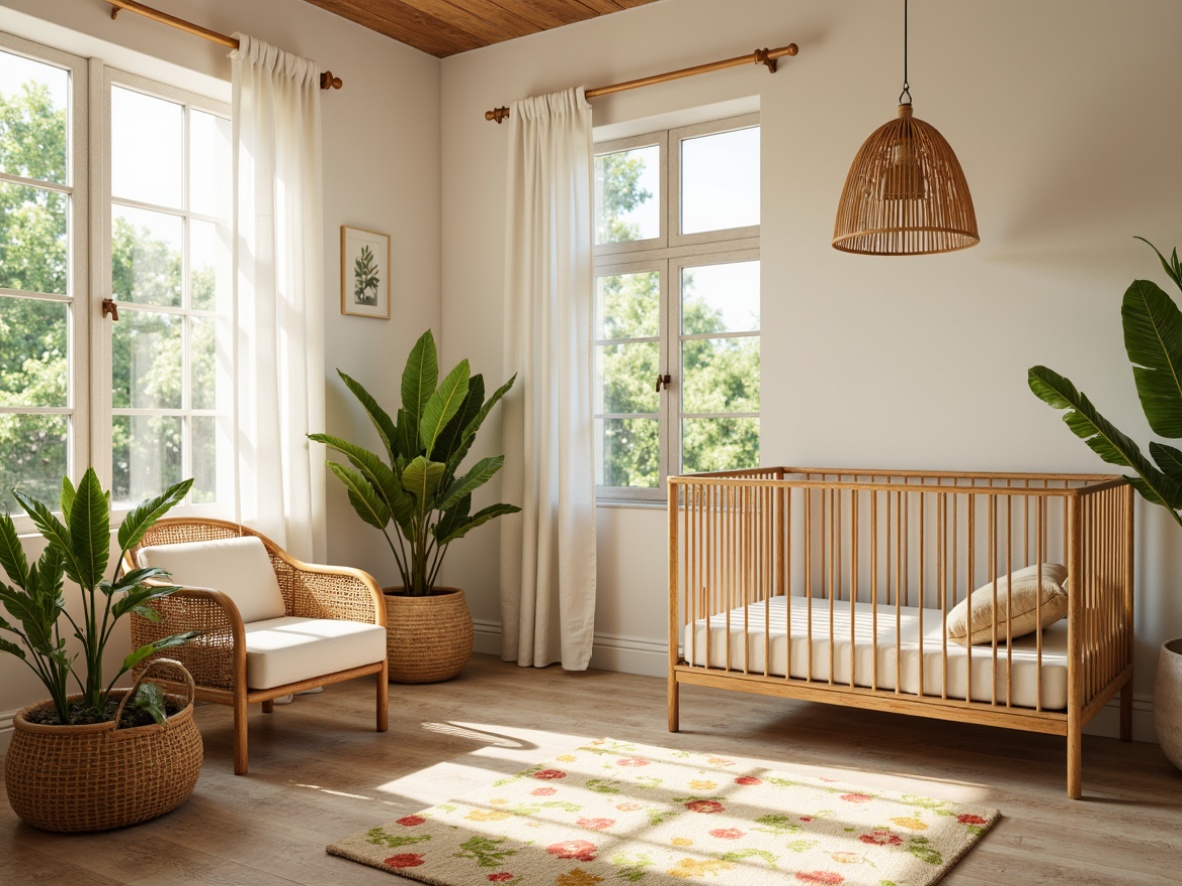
(318, 773)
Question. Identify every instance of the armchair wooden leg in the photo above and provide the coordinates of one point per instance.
(240, 749)
(383, 699)
(269, 706)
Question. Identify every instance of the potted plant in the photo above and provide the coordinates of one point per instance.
(1153, 340)
(104, 757)
(415, 494)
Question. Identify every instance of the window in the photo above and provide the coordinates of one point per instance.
(127, 200)
(676, 306)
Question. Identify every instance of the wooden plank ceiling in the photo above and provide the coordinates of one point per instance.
(445, 27)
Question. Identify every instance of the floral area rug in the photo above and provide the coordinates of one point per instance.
(618, 813)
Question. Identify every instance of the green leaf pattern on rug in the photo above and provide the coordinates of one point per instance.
(920, 847)
(380, 837)
(777, 824)
(740, 854)
(622, 813)
(485, 851)
(631, 867)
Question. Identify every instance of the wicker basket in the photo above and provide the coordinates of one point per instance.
(428, 639)
(97, 777)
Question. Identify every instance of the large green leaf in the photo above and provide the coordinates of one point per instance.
(68, 493)
(478, 519)
(365, 500)
(10, 647)
(452, 438)
(443, 405)
(90, 530)
(381, 420)
(1104, 439)
(146, 513)
(1172, 267)
(480, 474)
(420, 376)
(421, 479)
(1153, 340)
(52, 530)
(1168, 458)
(12, 554)
(474, 425)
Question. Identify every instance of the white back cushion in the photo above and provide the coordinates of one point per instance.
(238, 567)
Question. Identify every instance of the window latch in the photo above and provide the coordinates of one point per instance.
(110, 309)
(665, 380)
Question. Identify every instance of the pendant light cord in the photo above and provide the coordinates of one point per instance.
(906, 86)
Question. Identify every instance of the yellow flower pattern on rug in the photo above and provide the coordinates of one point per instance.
(621, 813)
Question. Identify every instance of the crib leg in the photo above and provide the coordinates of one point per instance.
(674, 704)
(1126, 711)
(1074, 765)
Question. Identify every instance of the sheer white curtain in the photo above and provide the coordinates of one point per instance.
(278, 289)
(548, 551)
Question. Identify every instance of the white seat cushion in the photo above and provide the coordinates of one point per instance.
(238, 567)
(289, 649)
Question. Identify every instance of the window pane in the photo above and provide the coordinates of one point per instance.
(629, 452)
(720, 375)
(203, 363)
(720, 298)
(625, 378)
(720, 181)
(209, 255)
(146, 361)
(33, 98)
(719, 444)
(146, 456)
(205, 476)
(35, 458)
(34, 338)
(628, 305)
(33, 238)
(627, 195)
(146, 148)
(209, 164)
(146, 257)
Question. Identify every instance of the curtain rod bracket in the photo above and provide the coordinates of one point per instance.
(115, 10)
(497, 114)
(328, 81)
(761, 57)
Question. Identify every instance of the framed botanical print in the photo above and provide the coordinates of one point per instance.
(365, 273)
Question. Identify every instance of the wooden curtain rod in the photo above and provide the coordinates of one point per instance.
(327, 80)
(766, 57)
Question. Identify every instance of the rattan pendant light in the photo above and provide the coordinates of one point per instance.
(905, 193)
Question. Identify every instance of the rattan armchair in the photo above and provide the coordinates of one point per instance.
(218, 658)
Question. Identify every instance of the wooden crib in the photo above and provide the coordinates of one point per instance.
(835, 585)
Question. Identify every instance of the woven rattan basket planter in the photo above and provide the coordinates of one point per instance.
(96, 777)
(428, 639)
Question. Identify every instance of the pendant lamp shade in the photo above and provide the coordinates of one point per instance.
(905, 194)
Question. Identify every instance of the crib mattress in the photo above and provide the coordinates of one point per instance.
(708, 644)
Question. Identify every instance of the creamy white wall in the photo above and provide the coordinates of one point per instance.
(381, 172)
(1065, 116)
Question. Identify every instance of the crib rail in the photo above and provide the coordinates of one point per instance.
(864, 559)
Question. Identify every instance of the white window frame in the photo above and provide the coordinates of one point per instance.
(77, 187)
(101, 386)
(89, 386)
(669, 253)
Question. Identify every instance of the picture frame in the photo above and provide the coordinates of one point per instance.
(365, 273)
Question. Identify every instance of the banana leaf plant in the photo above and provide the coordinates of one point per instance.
(415, 483)
(79, 549)
(1153, 340)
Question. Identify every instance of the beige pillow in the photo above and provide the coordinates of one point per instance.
(1024, 590)
(238, 567)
